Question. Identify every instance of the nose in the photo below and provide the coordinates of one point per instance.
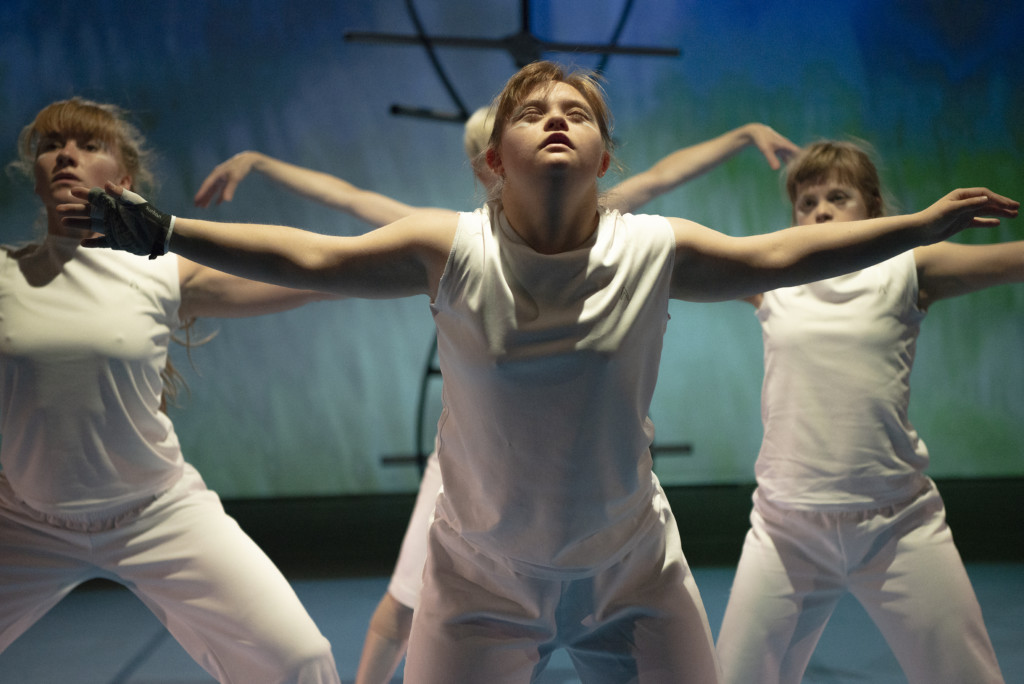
(556, 122)
(822, 213)
(67, 154)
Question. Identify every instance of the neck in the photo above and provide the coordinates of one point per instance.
(42, 262)
(554, 217)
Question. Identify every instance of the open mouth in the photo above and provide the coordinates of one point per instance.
(558, 139)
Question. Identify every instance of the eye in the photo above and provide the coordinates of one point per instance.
(48, 145)
(579, 114)
(528, 114)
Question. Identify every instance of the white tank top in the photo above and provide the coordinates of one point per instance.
(838, 355)
(80, 387)
(550, 362)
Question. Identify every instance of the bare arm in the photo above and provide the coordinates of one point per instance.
(401, 259)
(367, 206)
(404, 258)
(947, 269)
(688, 163)
(208, 293)
(711, 266)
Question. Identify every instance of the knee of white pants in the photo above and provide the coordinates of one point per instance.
(315, 667)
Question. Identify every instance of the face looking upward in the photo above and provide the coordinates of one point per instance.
(63, 162)
(829, 200)
(553, 130)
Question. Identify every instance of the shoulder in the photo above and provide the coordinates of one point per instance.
(649, 223)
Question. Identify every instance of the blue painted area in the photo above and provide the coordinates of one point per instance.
(308, 402)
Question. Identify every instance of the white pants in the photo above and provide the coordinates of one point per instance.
(640, 620)
(899, 562)
(407, 577)
(188, 561)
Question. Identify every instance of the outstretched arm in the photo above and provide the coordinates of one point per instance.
(688, 163)
(369, 207)
(401, 259)
(209, 293)
(711, 266)
(948, 269)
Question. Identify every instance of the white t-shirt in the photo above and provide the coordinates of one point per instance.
(838, 355)
(550, 362)
(80, 386)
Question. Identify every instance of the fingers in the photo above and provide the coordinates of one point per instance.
(98, 241)
(228, 193)
(77, 225)
(776, 148)
(995, 197)
(983, 201)
(203, 195)
(209, 190)
(81, 192)
(217, 186)
(773, 161)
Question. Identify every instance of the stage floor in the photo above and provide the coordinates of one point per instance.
(101, 634)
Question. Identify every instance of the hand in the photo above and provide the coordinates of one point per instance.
(965, 208)
(128, 222)
(224, 178)
(772, 145)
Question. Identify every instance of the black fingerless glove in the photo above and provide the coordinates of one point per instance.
(130, 223)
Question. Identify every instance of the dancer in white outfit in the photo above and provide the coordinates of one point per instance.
(842, 502)
(388, 633)
(94, 484)
(551, 529)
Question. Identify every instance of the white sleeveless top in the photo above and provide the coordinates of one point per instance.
(80, 386)
(550, 362)
(838, 355)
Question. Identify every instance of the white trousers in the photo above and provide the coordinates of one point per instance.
(899, 562)
(188, 561)
(407, 577)
(640, 620)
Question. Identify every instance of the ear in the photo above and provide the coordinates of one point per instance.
(606, 160)
(125, 182)
(494, 162)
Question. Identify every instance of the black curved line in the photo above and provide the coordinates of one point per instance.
(434, 61)
(615, 36)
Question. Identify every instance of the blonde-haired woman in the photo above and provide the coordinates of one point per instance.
(94, 483)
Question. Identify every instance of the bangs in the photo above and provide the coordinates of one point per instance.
(75, 120)
(86, 120)
(837, 161)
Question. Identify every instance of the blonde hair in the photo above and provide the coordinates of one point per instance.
(78, 117)
(477, 132)
(843, 161)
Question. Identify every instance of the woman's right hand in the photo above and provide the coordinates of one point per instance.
(221, 183)
(965, 208)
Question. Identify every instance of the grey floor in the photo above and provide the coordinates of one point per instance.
(101, 634)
